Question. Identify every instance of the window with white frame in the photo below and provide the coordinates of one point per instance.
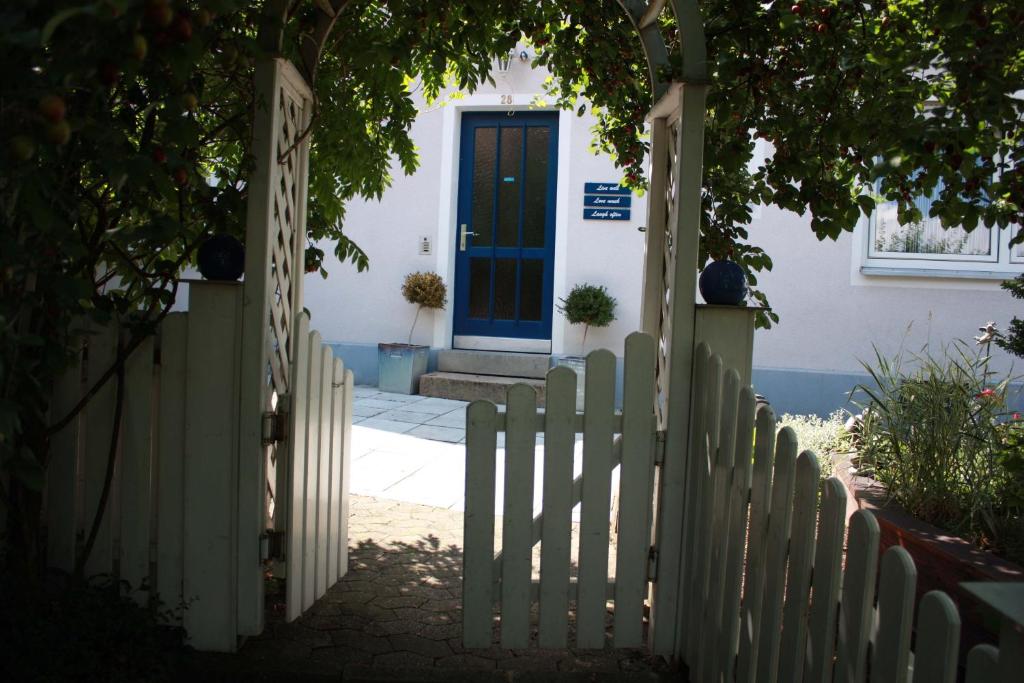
(927, 246)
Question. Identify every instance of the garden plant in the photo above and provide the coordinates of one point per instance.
(937, 434)
(425, 290)
(590, 306)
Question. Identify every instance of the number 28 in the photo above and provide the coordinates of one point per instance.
(506, 99)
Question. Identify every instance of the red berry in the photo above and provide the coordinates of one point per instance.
(52, 108)
(823, 12)
(58, 133)
(821, 28)
(181, 177)
(108, 74)
(159, 155)
(182, 28)
(796, 9)
(159, 13)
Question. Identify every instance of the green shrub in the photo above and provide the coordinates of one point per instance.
(935, 433)
(825, 437)
(426, 290)
(1014, 339)
(589, 305)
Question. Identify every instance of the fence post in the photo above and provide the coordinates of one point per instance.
(211, 466)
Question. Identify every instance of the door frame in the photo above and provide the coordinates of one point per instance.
(513, 334)
(450, 129)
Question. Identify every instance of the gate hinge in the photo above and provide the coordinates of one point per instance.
(275, 427)
(659, 447)
(272, 545)
(652, 564)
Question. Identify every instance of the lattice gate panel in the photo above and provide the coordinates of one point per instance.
(671, 214)
(275, 232)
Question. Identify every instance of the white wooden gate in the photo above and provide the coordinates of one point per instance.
(625, 439)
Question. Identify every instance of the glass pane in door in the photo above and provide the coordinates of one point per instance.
(508, 186)
(505, 289)
(485, 159)
(531, 289)
(535, 201)
(479, 287)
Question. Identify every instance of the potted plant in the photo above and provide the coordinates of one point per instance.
(590, 306)
(400, 366)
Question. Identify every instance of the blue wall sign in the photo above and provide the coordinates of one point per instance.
(605, 188)
(606, 214)
(618, 200)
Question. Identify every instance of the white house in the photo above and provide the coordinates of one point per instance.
(884, 285)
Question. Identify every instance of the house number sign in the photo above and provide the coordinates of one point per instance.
(606, 202)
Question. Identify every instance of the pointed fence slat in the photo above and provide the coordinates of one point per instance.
(517, 523)
(856, 612)
(323, 498)
(555, 549)
(753, 590)
(296, 469)
(478, 525)
(938, 639)
(828, 559)
(635, 482)
(891, 647)
(798, 580)
(599, 407)
(136, 459)
(739, 490)
(310, 491)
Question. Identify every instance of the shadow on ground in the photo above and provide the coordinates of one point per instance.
(397, 616)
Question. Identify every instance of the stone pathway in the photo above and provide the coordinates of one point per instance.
(397, 616)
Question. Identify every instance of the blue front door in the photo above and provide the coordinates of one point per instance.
(505, 236)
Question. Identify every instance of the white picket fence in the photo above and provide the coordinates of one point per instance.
(171, 527)
(776, 604)
(506, 580)
(312, 489)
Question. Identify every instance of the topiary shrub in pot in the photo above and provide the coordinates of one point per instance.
(590, 306)
(400, 366)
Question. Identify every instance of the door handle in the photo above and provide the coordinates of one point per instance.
(462, 236)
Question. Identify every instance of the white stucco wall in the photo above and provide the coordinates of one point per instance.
(368, 308)
(831, 314)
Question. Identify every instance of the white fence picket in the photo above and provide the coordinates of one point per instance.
(635, 489)
(99, 421)
(753, 590)
(798, 579)
(324, 482)
(296, 470)
(312, 457)
(983, 664)
(598, 432)
(890, 649)
(136, 462)
(775, 565)
(517, 522)
(478, 524)
(739, 491)
(938, 639)
(335, 428)
(346, 462)
(62, 519)
(856, 611)
(828, 559)
(556, 528)
(170, 436)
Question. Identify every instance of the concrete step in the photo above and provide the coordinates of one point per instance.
(502, 363)
(471, 387)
